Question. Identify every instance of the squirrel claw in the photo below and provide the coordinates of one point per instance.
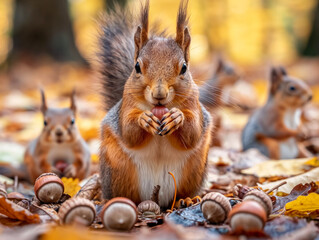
(149, 123)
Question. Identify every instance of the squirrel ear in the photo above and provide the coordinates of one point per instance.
(183, 38)
(141, 34)
(283, 71)
(44, 106)
(275, 78)
(73, 105)
(220, 65)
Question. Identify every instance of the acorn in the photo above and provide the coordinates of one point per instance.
(215, 207)
(15, 197)
(248, 216)
(48, 188)
(119, 214)
(76, 209)
(240, 190)
(159, 111)
(260, 197)
(148, 208)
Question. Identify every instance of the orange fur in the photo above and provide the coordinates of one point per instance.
(136, 144)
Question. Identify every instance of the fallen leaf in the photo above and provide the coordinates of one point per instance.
(76, 233)
(91, 188)
(304, 206)
(314, 162)
(14, 211)
(308, 177)
(300, 189)
(71, 185)
(277, 168)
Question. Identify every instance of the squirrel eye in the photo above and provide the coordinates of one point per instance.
(45, 123)
(72, 121)
(138, 68)
(184, 68)
(292, 88)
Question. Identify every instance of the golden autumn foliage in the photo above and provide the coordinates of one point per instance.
(248, 31)
(304, 206)
(71, 185)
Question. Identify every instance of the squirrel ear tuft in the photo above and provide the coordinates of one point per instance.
(220, 65)
(44, 106)
(283, 71)
(73, 105)
(183, 38)
(141, 34)
(275, 78)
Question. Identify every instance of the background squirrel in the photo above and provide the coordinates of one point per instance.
(211, 93)
(60, 147)
(137, 149)
(274, 128)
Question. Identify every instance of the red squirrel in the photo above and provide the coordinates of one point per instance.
(140, 72)
(275, 128)
(210, 94)
(60, 147)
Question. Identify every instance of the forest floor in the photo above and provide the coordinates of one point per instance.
(295, 204)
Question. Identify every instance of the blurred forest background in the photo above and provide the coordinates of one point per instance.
(53, 44)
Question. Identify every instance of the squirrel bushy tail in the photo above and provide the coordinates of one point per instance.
(116, 54)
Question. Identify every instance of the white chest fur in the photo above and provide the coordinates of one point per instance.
(289, 148)
(153, 164)
(60, 152)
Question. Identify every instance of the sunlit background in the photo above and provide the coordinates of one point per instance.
(250, 34)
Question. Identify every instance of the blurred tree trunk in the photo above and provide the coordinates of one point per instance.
(43, 27)
(312, 47)
(110, 4)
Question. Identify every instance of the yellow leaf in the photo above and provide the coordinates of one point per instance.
(310, 176)
(71, 185)
(76, 233)
(279, 167)
(303, 206)
(94, 158)
(314, 162)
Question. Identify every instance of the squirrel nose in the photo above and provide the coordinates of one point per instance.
(159, 98)
(159, 95)
(58, 133)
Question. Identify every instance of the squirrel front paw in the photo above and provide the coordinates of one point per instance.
(149, 122)
(171, 121)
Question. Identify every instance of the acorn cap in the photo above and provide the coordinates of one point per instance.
(215, 207)
(249, 207)
(260, 197)
(48, 188)
(74, 208)
(119, 214)
(148, 207)
(15, 196)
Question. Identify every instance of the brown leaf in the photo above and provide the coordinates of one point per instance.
(14, 211)
(91, 188)
(299, 190)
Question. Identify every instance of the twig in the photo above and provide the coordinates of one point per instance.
(15, 186)
(175, 191)
(275, 187)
